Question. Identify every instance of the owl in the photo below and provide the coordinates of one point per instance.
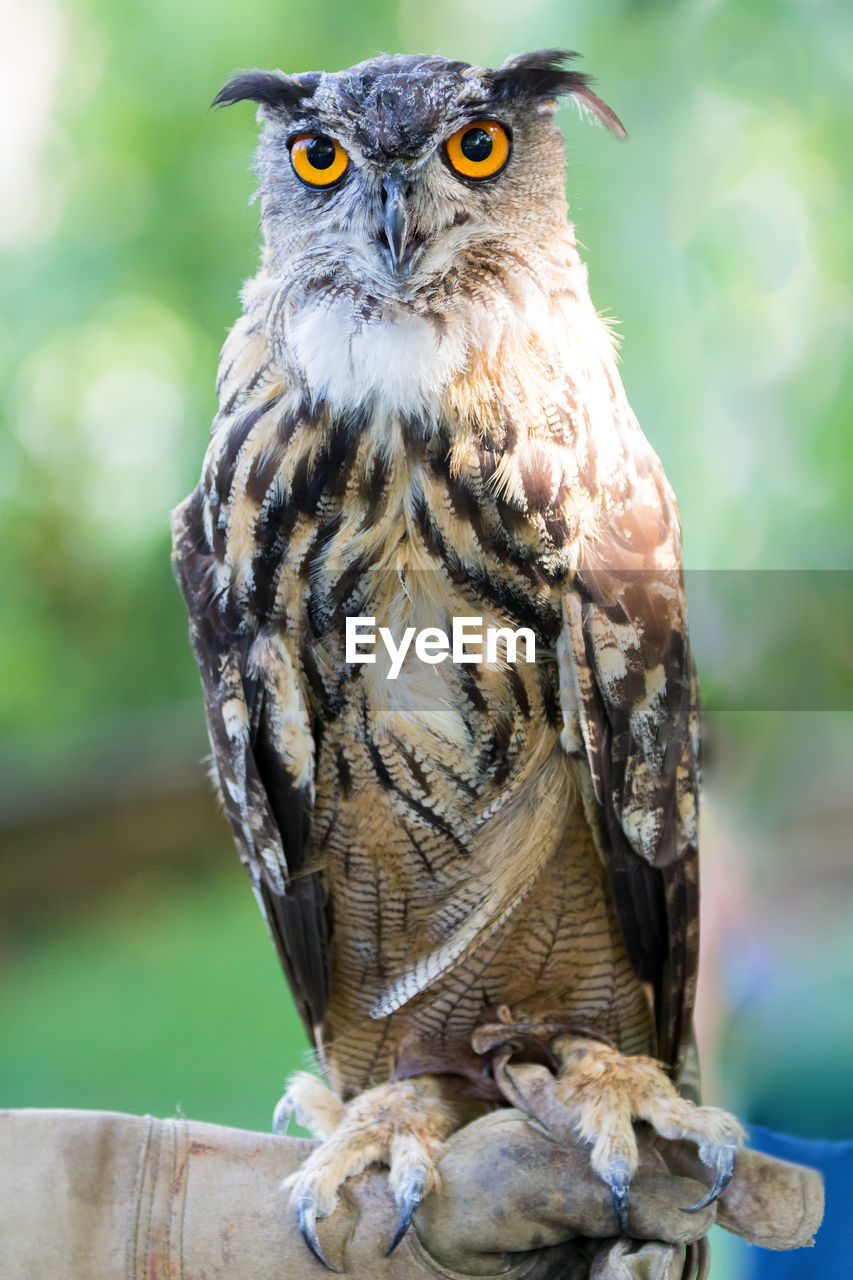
(469, 862)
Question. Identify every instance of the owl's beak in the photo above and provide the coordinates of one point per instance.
(395, 224)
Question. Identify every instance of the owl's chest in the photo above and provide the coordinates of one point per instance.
(402, 538)
(425, 609)
(443, 512)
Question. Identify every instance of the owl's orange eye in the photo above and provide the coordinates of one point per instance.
(319, 161)
(479, 150)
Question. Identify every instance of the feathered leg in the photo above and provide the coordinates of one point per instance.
(402, 1124)
(606, 1091)
(597, 1095)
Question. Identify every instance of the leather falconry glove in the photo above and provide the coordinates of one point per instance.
(102, 1196)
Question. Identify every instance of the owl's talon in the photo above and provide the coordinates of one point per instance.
(724, 1166)
(306, 1217)
(408, 1198)
(401, 1124)
(618, 1179)
(282, 1115)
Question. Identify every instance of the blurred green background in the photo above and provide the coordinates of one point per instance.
(134, 971)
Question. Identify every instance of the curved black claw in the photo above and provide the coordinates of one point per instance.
(282, 1115)
(724, 1167)
(306, 1217)
(618, 1179)
(411, 1194)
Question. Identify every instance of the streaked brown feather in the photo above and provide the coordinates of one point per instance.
(634, 678)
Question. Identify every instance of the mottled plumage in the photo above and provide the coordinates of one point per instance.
(416, 438)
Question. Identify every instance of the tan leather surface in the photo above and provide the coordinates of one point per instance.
(103, 1196)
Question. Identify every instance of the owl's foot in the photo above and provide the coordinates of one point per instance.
(599, 1093)
(402, 1124)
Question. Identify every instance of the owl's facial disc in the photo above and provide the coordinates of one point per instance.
(389, 178)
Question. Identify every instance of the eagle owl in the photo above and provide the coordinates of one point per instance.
(463, 864)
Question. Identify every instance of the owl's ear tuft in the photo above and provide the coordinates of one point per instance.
(269, 88)
(544, 75)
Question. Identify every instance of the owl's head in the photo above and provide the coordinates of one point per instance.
(386, 177)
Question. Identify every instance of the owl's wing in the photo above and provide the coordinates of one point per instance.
(255, 704)
(630, 706)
